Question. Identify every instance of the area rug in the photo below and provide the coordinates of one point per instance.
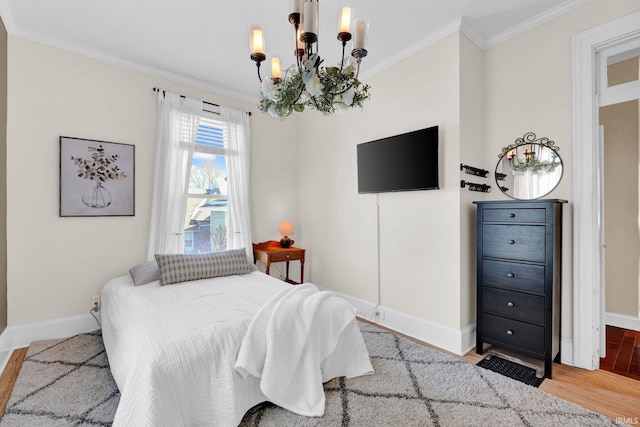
(510, 369)
(64, 382)
(68, 383)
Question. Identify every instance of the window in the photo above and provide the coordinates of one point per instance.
(201, 181)
(206, 222)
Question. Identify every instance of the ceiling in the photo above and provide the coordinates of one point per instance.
(206, 42)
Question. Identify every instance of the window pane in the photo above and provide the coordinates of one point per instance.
(205, 227)
(208, 174)
(209, 135)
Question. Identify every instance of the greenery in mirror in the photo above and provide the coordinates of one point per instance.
(534, 166)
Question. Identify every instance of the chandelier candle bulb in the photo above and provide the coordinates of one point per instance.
(275, 68)
(299, 43)
(257, 41)
(309, 17)
(344, 20)
(362, 28)
(295, 6)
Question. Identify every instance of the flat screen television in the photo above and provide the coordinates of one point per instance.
(403, 162)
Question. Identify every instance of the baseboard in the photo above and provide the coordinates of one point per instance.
(22, 335)
(453, 340)
(622, 321)
(566, 351)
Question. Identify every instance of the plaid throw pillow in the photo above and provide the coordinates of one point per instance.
(175, 268)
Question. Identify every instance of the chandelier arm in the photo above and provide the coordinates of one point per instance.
(258, 67)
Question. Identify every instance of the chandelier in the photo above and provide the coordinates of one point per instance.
(307, 84)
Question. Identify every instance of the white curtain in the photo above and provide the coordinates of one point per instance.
(237, 148)
(178, 120)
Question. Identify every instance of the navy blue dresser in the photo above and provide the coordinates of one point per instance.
(519, 258)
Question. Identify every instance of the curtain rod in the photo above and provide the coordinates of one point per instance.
(155, 89)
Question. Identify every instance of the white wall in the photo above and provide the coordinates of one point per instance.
(621, 142)
(472, 152)
(56, 264)
(419, 231)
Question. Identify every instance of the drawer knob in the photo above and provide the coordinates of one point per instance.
(510, 304)
(512, 215)
(288, 256)
(509, 332)
(511, 275)
(512, 242)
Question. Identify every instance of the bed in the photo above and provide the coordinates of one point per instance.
(174, 349)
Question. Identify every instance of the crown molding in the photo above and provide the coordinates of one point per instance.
(431, 39)
(15, 31)
(536, 21)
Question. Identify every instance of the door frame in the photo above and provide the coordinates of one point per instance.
(588, 225)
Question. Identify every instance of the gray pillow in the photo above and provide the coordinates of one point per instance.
(175, 268)
(145, 273)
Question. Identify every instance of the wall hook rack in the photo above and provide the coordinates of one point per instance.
(482, 188)
(474, 171)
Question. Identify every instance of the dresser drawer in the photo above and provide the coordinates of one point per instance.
(514, 215)
(498, 330)
(518, 242)
(513, 275)
(513, 305)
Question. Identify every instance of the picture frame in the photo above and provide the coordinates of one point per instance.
(97, 178)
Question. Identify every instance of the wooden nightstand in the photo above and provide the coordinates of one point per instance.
(271, 251)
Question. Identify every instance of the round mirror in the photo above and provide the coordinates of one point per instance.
(530, 168)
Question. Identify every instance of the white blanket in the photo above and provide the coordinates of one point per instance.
(290, 339)
(172, 349)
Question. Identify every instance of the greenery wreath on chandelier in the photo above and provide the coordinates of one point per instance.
(325, 89)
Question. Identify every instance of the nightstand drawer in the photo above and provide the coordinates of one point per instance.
(285, 256)
(513, 275)
(498, 330)
(518, 242)
(514, 215)
(513, 305)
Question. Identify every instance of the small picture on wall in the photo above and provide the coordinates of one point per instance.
(96, 178)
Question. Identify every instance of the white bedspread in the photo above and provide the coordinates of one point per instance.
(288, 341)
(172, 349)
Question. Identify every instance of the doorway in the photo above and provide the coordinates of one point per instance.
(593, 50)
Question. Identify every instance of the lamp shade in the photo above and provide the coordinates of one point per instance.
(285, 229)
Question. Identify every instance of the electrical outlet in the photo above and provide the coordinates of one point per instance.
(95, 303)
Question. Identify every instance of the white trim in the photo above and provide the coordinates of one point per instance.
(566, 351)
(623, 321)
(431, 39)
(456, 341)
(536, 21)
(14, 337)
(587, 186)
(620, 93)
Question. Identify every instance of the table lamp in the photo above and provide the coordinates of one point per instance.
(285, 230)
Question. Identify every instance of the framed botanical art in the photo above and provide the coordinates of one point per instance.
(97, 178)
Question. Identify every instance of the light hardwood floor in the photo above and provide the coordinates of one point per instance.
(604, 392)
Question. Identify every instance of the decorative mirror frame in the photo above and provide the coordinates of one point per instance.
(528, 138)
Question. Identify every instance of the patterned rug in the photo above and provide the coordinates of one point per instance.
(68, 383)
